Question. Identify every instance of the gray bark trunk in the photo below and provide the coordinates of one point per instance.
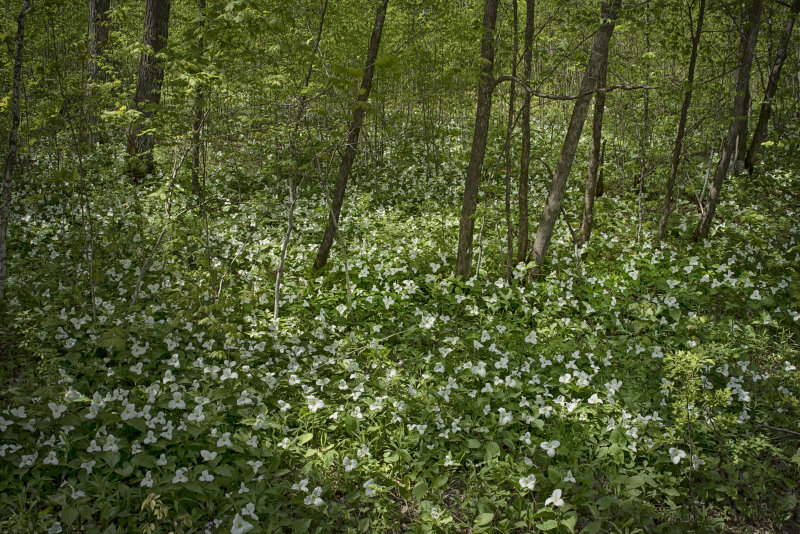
(594, 161)
(148, 88)
(544, 232)
(675, 160)
(525, 157)
(512, 94)
(760, 132)
(482, 113)
(199, 104)
(98, 36)
(735, 130)
(352, 138)
(13, 146)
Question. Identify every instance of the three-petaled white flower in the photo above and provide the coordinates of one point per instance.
(676, 455)
(528, 482)
(550, 447)
(555, 499)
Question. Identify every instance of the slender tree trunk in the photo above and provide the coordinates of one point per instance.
(352, 138)
(98, 36)
(199, 104)
(13, 146)
(601, 183)
(525, 157)
(512, 94)
(544, 232)
(482, 113)
(594, 160)
(747, 44)
(675, 160)
(148, 88)
(301, 109)
(760, 132)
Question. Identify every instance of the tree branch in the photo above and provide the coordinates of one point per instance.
(549, 96)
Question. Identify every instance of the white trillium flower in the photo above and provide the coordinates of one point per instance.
(550, 447)
(555, 499)
(528, 482)
(240, 526)
(676, 455)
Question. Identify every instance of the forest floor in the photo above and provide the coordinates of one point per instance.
(648, 389)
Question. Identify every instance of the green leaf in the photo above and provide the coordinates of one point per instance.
(69, 515)
(420, 489)
(550, 524)
(570, 522)
(305, 438)
(474, 444)
(484, 519)
(592, 528)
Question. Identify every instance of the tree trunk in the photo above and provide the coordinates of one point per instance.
(482, 113)
(594, 160)
(512, 94)
(747, 44)
(352, 138)
(666, 208)
(601, 183)
(760, 132)
(544, 232)
(199, 103)
(148, 88)
(525, 157)
(13, 146)
(98, 36)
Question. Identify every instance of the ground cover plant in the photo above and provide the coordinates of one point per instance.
(173, 360)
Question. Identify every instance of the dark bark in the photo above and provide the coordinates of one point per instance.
(675, 160)
(199, 105)
(13, 146)
(601, 183)
(148, 88)
(525, 157)
(555, 195)
(482, 113)
(349, 155)
(512, 94)
(747, 47)
(760, 132)
(594, 160)
(98, 37)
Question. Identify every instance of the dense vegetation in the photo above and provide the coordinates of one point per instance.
(154, 382)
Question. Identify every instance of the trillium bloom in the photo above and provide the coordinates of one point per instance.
(240, 526)
(301, 486)
(57, 409)
(555, 499)
(314, 403)
(370, 488)
(250, 510)
(314, 498)
(528, 482)
(349, 464)
(505, 417)
(569, 477)
(676, 455)
(594, 399)
(550, 447)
